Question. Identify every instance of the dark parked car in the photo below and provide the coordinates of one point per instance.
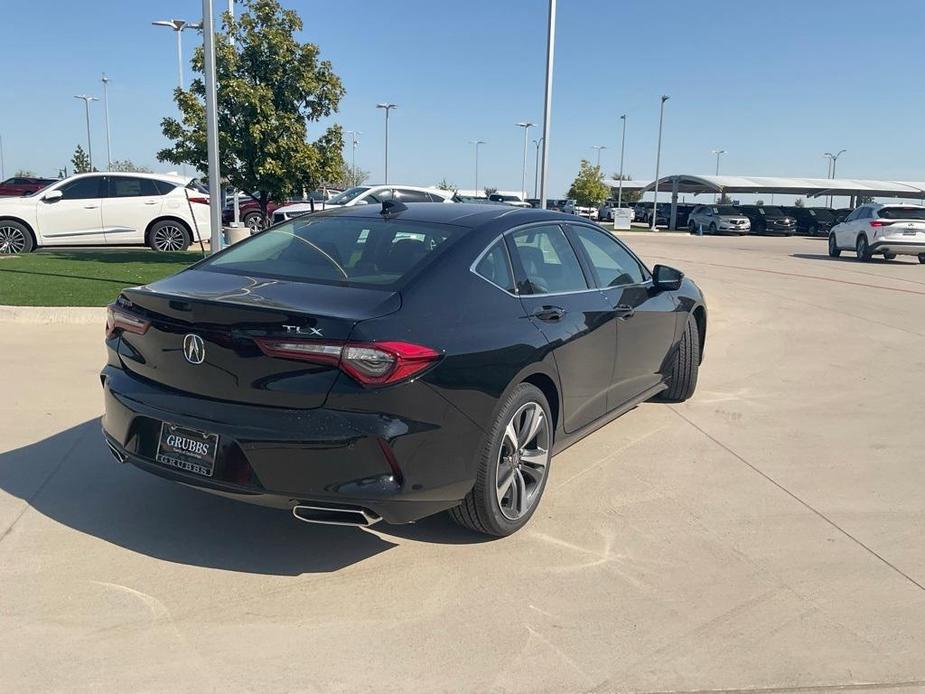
(641, 211)
(841, 214)
(768, 219)
(815, 221)
(23, 185)
(315, 367)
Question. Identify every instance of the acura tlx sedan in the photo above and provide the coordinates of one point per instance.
(387, 363)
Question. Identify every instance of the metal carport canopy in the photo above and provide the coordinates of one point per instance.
(687, 183)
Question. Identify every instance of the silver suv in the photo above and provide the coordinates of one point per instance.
(713, 219)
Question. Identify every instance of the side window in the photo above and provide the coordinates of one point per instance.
(613, 265)
(406, 195)
(82, 188)
(163, 187)
(855, 214)
(130, 187)
(495, 268)
(434, 197)
(548, 261)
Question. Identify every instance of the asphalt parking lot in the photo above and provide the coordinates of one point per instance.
(766, 535)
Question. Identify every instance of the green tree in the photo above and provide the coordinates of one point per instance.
(80, 161)
(126, 166)
(490, 191)
(269, 87)
(630, 196)
(446, 185)
(24, 173)
(348, 178)
(588, 189)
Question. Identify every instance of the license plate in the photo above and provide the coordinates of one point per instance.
(187, 449)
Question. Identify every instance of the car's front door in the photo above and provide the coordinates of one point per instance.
(573, 316)
(75, 217)
(645, 318)
(130, 204)
(845, 234)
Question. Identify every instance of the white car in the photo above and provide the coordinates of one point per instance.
(712, 219)
(509, 199)
(876, 229)
(365, 195)
(587, 212)
(163, 211)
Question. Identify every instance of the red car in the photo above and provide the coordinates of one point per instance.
(23, 185)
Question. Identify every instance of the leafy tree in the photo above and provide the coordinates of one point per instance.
(588, 189)
(126, 165)
(269, 87)
(80, 161)
(348, 178)
(490, 191)
(446, 185)
(630, 196)
(864, 199)
(25, 173)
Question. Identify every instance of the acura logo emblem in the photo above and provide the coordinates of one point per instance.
(194, 349)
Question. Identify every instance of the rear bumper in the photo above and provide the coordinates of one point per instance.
(399, 469)
(898, 246)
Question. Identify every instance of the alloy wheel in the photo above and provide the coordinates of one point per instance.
(522, 461)
(169, 238)
(12, 240)
(255, 223)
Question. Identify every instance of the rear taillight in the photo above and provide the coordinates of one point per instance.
(880, 223)
(200, 200)
(118, 319)
(372, 364)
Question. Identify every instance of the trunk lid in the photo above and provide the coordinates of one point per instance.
(228, 312)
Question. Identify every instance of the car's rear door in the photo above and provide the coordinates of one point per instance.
(130, 204)
(645, 319)
(573, 316)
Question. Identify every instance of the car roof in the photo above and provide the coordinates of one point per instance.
(462, 214)
(173, 178)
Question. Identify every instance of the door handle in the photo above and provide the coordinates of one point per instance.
(150, 202)
(624, 311)
(550, 314)
(90, 207)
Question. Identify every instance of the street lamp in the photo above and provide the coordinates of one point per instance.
(523, 173)
(353, 162)
(87, 100)
(547, 98)
(476, 143)
(178, 25)
(105, 80)
(598, 148)
(833, 160)
(2, 174)
(658, 158)
(536, 171)
(622, 151)
(718, 153)
(387, 108)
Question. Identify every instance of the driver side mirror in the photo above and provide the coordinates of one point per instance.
(53, 196)
(666, 278)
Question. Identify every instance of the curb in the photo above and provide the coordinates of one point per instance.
(76, 315)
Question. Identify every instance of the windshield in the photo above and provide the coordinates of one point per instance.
(348, 195)
(773, 211)
(728, 210)
(337, 250)
(902, 213)
(821, 213)
(40, 190)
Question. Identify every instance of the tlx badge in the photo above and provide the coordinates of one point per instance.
(302, 330)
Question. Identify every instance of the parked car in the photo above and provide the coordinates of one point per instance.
(768, 219)
(163, 211)
(249, 209)
(508, 199)
(366, 195)
(315, 367)
(877, 229)
(534, 203)
(564, 205)
(684, 210)
(605, 212)
(714, 219)
(23, 185)
(641, 211)
(815, 221)
(586, 212)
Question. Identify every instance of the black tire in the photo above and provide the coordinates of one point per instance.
(834, 250)
(692, 227)
(254, 221)
(685, 365)
(862, 249)
(713, 228)
(481, 510)
(889, 256)
(169, 236)
(922, 258)
(15, 238)
(812, 230)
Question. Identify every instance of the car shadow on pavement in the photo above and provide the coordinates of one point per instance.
(851, 259)
(71, 478)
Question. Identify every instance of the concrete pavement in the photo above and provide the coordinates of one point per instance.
(765, 536)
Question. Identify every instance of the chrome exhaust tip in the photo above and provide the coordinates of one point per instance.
(331, 515)
(116, 453)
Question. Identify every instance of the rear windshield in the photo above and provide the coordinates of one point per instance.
(821, 212)
(337, 250)
(901, 213)
(772, 211)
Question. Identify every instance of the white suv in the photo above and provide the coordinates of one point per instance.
(365, 195)
(163, 211)
(874, 229)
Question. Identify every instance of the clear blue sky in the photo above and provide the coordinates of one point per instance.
(775, 84)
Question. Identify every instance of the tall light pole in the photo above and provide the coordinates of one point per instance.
(2, 173)
(178, 25)
(476, 143)
(598, 148)
(536, 171)
(523, 172)
(105, 80)
(718, 153)
(547, 101)
(87, 100)
(658, 159)
(622, 152)
(215, 186)
(353, 155)
(386, 108)
(833, 160)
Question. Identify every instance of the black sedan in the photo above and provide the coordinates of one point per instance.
(768, 219)
(815, 221)
(364, 363)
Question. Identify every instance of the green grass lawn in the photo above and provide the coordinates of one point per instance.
(82, 277)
